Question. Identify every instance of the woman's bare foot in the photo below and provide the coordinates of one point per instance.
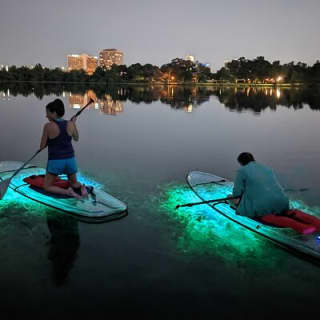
(84, 192)
(71, 193)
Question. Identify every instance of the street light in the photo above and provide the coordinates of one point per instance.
(279, 79)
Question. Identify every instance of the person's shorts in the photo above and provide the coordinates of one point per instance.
(62, 166)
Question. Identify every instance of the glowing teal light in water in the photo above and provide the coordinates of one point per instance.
(14, 202)
(205, 231)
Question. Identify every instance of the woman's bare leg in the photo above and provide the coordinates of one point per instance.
(48, 186)
(73, 181)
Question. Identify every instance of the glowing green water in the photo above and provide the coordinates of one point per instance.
(14, 202)
(207, 232)
(204, 229)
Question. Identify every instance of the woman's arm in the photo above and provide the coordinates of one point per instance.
(44, 138)
(74, 129)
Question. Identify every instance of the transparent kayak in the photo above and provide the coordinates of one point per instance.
(209, 186)
(97, 207)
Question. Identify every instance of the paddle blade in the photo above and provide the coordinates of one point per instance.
(3, 187)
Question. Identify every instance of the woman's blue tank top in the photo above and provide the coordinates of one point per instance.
(61, 146)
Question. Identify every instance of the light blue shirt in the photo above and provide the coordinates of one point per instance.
(260, 191)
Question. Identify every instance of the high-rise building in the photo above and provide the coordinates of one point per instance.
(92, 63)
(108, 57)
(74, 62)
(83, 61)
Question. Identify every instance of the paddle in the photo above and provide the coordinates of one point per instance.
(297, 190)
(204, 202)
(5, 183)
(79, 112)
(225, 199)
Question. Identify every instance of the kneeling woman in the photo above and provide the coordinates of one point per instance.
(57, 135)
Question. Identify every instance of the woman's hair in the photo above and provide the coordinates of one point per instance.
(56, 106)
(245, 157)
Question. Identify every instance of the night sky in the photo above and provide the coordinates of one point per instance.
(156, 31)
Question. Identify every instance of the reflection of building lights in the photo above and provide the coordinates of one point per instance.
(188, 108)
(278, 93)
(63, 94)
(108, 105)
(5, 95)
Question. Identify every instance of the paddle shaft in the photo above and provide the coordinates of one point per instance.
(28, 161)
(5, 183)
(227, 198)
(204, 202)
(296, 190)
(79, 112)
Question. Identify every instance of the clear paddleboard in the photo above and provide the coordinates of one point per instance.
(97, 207)
(209, 186)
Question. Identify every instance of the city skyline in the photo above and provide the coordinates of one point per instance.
(46, 32)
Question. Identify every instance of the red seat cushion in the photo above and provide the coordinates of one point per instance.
(38, 180)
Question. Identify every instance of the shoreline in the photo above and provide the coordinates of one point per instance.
(207, 84)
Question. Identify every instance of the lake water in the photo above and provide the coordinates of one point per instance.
(139, 143)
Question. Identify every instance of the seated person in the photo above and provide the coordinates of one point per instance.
(261, 197)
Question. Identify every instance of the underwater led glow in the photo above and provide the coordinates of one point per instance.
(15, 202)
(205, 231)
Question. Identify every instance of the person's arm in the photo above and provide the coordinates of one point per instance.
(239, 185)
(74, 129)
(44, 138)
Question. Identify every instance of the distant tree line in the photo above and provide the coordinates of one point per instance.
(178, 70)
(245, 98)
(260, 70)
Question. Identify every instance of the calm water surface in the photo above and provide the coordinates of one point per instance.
(139, 144)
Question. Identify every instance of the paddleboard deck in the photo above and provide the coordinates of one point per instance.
(97, 207)
(209, 186)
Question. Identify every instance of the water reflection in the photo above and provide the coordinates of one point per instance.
(63, 245)
(5, 95)
(110, 100)
(105, 104)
